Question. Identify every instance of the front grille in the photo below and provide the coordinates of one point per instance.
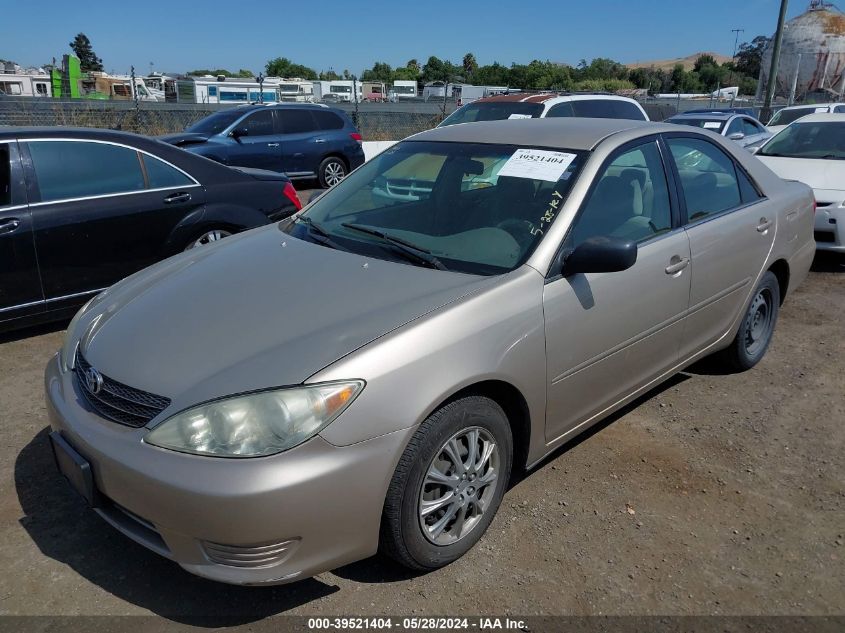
(118, 402)
(824, 236)
(251, 555)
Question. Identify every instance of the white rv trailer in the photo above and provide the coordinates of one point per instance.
(403, 89)
(338, 90)
(208, 89)
(18, 85)
(296, 89)
(468, 94)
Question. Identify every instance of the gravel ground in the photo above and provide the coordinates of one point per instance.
(714, 494)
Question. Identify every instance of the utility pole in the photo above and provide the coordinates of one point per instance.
(733, 57)
(771, 84)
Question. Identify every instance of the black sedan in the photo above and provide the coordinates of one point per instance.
(81, 208)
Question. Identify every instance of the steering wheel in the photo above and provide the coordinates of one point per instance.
(520, 230)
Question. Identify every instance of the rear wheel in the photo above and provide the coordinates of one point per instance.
(448, 484)
(208, 237)
(332, 170)
(755, 332)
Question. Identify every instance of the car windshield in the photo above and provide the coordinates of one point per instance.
(714, 125)
(816, 139)
(467, 207)
(493, 111)
(215, 123)
(785, 117)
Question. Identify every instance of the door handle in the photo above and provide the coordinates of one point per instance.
(272, 144)
(319, 140)
(764, 225)
(182, 196)
(7, 226)
(677, 264)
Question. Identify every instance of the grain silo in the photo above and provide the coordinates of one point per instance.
(812, 56)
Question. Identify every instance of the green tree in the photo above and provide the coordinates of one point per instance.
(470, 66)
(704, 60)
(407, 73)
(750, 56)
(493, 75)
(329, 75)
(601, 68)
(88, 60)
(283, 67)
(379, 72)
(414, 65)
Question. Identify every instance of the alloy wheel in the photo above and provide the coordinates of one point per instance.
(208, 237)
(334, 173)
(458, 486)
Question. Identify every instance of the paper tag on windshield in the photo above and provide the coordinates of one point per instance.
(537, 164)
(520, 116)
(712, 125)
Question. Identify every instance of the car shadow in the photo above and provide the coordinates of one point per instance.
(65, 530)
(828, 262)
(33, 330)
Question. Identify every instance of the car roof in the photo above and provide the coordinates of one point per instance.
(721, 116)
(562, 133)
(71, 132)
(822, 117)
(546, 97)
(249, 107)
(811, 106)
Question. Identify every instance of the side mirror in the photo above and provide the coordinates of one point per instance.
(737, 136)
(600, 255)
(238, 132)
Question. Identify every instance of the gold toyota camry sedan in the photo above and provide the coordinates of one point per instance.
(367, 374)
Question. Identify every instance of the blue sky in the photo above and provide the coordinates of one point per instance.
(180, 35)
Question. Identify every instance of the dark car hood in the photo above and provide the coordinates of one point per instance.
(258, 310)
(183, 138)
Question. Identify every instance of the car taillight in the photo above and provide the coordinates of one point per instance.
(356, 137)
(290, 194)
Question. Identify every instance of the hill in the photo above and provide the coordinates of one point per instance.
(687, 62)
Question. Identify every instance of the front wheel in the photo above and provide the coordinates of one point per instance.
(332, 170)
(755, 332)
(448, 484)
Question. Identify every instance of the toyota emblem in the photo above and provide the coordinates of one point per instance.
(93, 381)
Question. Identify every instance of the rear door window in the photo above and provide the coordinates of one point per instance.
(328, 120)
(79, 169)
(294, 121)
(161, 175)
(708, 177)
(594, 108)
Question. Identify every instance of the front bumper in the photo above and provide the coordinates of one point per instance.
(265, 520)
(829, 229)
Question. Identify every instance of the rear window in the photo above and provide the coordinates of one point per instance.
(714, 125)
(493, 111)
(5, 176)
(785, 117)
(596, 109)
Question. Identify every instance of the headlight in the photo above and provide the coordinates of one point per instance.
(255, 424)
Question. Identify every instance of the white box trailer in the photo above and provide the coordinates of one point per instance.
(339, 90)
(403, 89)
(17, 85)
(295, 89)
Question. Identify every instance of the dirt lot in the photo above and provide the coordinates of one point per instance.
(715, 494)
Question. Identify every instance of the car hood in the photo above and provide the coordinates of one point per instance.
(258, 310)
(184, 138)
(815, 172)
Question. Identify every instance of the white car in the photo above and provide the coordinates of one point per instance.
(547, 105)
(812, 151)
(784, 117)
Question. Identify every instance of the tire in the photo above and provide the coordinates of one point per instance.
(431, 540)
(208, 236)
(331, 171)
(758, 324)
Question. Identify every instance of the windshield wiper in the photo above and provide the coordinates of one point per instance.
(319, 234)
(408, 248)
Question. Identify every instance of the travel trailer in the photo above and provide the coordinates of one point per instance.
(221, 89)
(18, 85)
(373, 91)
(295, 89)
(403, 89)
(338, 91)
